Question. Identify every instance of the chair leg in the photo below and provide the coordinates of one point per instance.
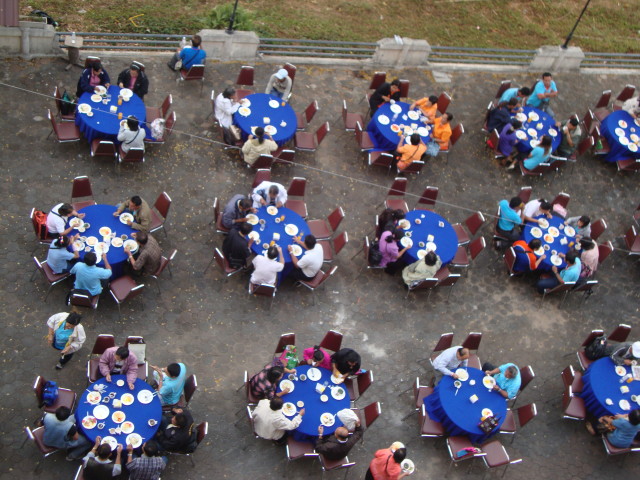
(33, 276)
(193, 464)
(205, 270)
(47, 294)
(408, 415)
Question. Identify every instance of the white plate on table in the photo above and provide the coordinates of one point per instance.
(118, 416)
(553, 132)
(101, 412)
(462, 374)
(622, 123)
(395, 128)
(396, 108)
(486, 412)
(533, 133)
(431, 247)
(633, 147)
(404, 224)
(126, 93)
(271, 210)
(338, 393)
(408, 131)
(291, 229)
(327, 419)
(569, 231)
(101, 248)
(549, 238)
(145, 396)
(521, 134)
(89, 422)
(406, 242)
(274, 103)
(255, 236)
(289, 409)
(252, 219)
(132, 244)
(534, 143)
(421, 254)
(94, 398)
(624, 404)
(488, 381)
(112, 442)
(270, 129)
(619, 132)
(621, 371)
(554, 231)
(245, 102)
(287, 384)
(624, 141)
(244, 111)
(543, 223)
(533, 117)
(296, 250)
(521, 117)
(126, 217)
(127, 399)
(413, 115)
(84, 108)
(76, 222)
(96, 98)
(422, 131)
(539, 251)
(314, 374)
(91, 241)
(134, 439)
(127, 427)
(100, 89)
(556, 260)
(104, 231)
(336, 380)
(117, 242)
(634, 138)
(383, 120)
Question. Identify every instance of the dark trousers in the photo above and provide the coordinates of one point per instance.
(64, 358)
(512, 235)
(393, 267)
(369, 475)
(545, 283)
(298, 274)
(488, 366)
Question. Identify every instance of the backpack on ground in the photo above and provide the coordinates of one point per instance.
(375, 256)
(50, 393)
(66, 104)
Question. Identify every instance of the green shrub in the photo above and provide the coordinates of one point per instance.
(219, 17)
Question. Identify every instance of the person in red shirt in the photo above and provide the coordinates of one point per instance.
(386, 463)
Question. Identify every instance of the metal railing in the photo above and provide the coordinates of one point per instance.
(610, 60)
(490, 56)
(126, 41)
(315, 48)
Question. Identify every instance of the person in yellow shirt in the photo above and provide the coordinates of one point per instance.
(428, 106)
(408, 153)
(440, 134)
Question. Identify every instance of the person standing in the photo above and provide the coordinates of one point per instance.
(66, 335)
(542, 94)
(386, 463)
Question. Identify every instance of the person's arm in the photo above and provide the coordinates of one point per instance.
(440, 363)
(554, 270)
(122, 78)
(106, 264)
(617, 356)
(444, 141)
(132, 371)
(281, 200)
(287, 89)
(117, 465)
(144, 84)
(103, 365)
(540, 259)
(270, 84)
(401, 252)
(294, 259)
(280, 255)
(105, 78)
(283, 423)
(130, 464)
(144, 220)
(77, 339)
(501, 391)
(357, 435)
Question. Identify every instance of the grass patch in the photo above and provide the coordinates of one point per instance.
(608, 25)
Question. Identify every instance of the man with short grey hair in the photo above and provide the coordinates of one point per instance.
(507, 377)
(451, 359)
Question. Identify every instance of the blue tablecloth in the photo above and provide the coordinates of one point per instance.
(554, 221)
(456, 412)
(306, 391)
(608, 128)
(445, 237)
(383, 137)
(271, 227)
(601, 382)
(138, 413)
(103, 123)
(98, 216)
(260, 109)
(548, 124)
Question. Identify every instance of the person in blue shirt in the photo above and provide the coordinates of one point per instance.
(626, 428)
(538, 155)
(59, 259)
(543, 91)
(508, 379)
(88, 276)
(193, 55)
(521, 94)
(60, 431)
(510, 218)
(170, 382)
(571, 273)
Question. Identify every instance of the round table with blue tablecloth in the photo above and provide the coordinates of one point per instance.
(536, 124)
(98, 216)
(457, 413)
(275, 224)
(306, 391)
(623, 135)
(103, 123)
(602, 383)
(262, 105)
(424, 225)
(557, 243)
(390, 119)
(138, 413)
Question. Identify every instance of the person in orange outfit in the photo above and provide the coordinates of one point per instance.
(386, 463)
(441, 134)
(409, 153)
(428, 106)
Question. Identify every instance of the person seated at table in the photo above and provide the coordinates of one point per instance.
(60, 431)
(130, 134)
(270, 422)
(589, 257)
(59, 258)
(571, 133)
(97, 463)
(339, 444)
(499, 117)
(57, 219)
(140, 210)
(91, 77)
(65, 335)
(391, 253)
(119, 361)
(407, 154)
(266, 269)
(191, 55)
(170, 382)
(521, 94)
(90, 277)
(388, 220)
(526, 260)
(621, 429)
(225, 106)
(311, 262)
(450, 360)
(581, 224)
(571, 273)
(134, 79)
(632, 106)
(258, 145)
(149, 465)
(237, 246)
(264, 384)
(235, 211)
(316, 357)
(269, 193)
(386, 463)
(508, 141)
(510, 218)
(543, 92)
(176, 432)
(149, 254)
(507, 377)
(345, 362)
(384, 94)
(626, 353)
(422, 269)
(537, 208)
(428, 106)
(440, 135)
(280, 84)
(539, 154)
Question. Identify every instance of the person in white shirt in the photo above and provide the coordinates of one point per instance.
(269, 193)
(269, 421)
(57, 219)
(225, 106)
(266, 268)
(309, 265)
(451, 359)
(131, 135)
(535, 208)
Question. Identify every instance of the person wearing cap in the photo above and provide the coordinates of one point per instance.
(92, 77)
(66, 335)
(258, 145)
(130, 134)
(626, 353)
(134, 79)
(279, 84)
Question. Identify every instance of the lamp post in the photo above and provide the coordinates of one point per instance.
(568, 39)
(233, 18)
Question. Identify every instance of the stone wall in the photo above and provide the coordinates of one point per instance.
(29, 39)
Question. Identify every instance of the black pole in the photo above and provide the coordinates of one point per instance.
(233, 18)
(568, 39)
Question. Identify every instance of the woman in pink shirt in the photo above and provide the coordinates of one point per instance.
(391, 253)
(316, 357)
(92, 77)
